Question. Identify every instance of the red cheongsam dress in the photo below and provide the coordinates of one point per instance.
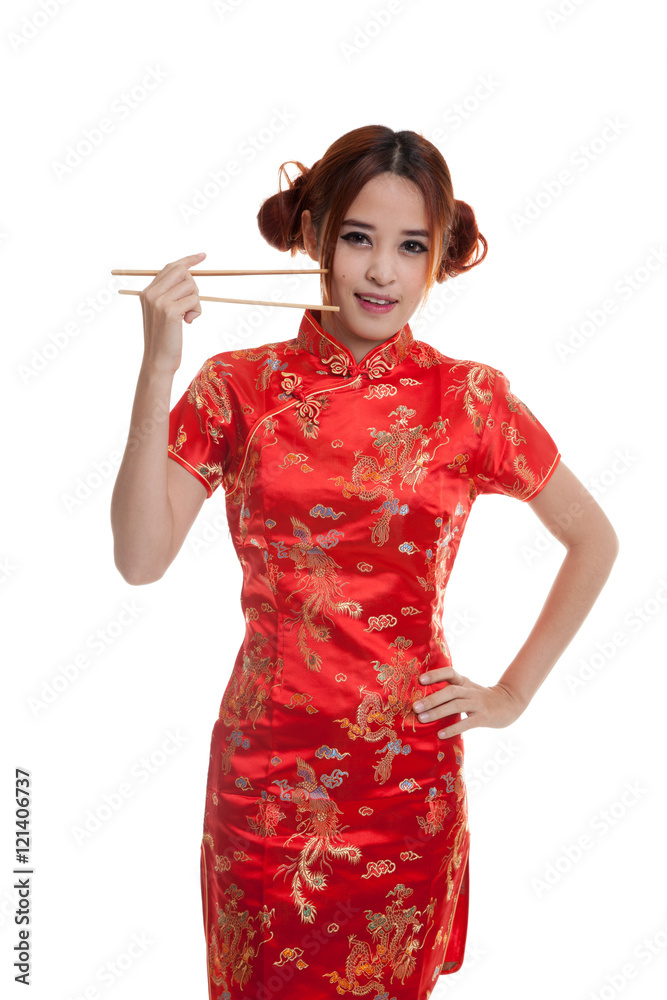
(334, 857)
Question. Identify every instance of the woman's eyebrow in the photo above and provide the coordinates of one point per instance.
(366, 225)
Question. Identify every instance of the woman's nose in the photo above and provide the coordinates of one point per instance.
(381, 269)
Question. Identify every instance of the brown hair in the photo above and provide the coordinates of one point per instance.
(330, 186)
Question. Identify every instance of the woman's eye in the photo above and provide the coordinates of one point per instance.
(419, 247)
(349, 236)
(416, 243)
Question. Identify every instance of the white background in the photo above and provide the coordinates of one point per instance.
(513, 94)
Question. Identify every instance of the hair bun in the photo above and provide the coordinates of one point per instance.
(279, 218)
(463, 250)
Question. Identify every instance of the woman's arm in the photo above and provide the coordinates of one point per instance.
(574, 517)
(155, 500)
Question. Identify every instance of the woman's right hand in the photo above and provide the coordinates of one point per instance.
(171, 297)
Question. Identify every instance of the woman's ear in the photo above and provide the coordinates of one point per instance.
(309, 239)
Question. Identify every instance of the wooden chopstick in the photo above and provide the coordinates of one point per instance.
(250, 302)
(242, 302)
(202, 274)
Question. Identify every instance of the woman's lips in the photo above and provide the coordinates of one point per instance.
(375, 307)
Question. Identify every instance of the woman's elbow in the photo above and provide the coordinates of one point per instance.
(136, 574)
(600, 540)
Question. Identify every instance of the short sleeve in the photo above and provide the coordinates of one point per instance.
(517, 455)
(200, 424)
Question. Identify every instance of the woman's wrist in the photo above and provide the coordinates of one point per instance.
(155, 370)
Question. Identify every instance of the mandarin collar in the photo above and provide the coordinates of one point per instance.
(339, 359)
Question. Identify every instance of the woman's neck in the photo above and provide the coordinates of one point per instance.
(357, 346)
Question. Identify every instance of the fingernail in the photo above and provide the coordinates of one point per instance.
(418, 706)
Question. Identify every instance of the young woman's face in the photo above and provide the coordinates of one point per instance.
(382, 253)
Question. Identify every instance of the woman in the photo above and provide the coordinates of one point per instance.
(335, 851)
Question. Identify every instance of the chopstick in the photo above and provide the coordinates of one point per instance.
(288, 270)
(244, 302)
(251, 302)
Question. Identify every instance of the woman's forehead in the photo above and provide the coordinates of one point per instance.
(389, 197)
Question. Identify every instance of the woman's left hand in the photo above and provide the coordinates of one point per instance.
(494, 706)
